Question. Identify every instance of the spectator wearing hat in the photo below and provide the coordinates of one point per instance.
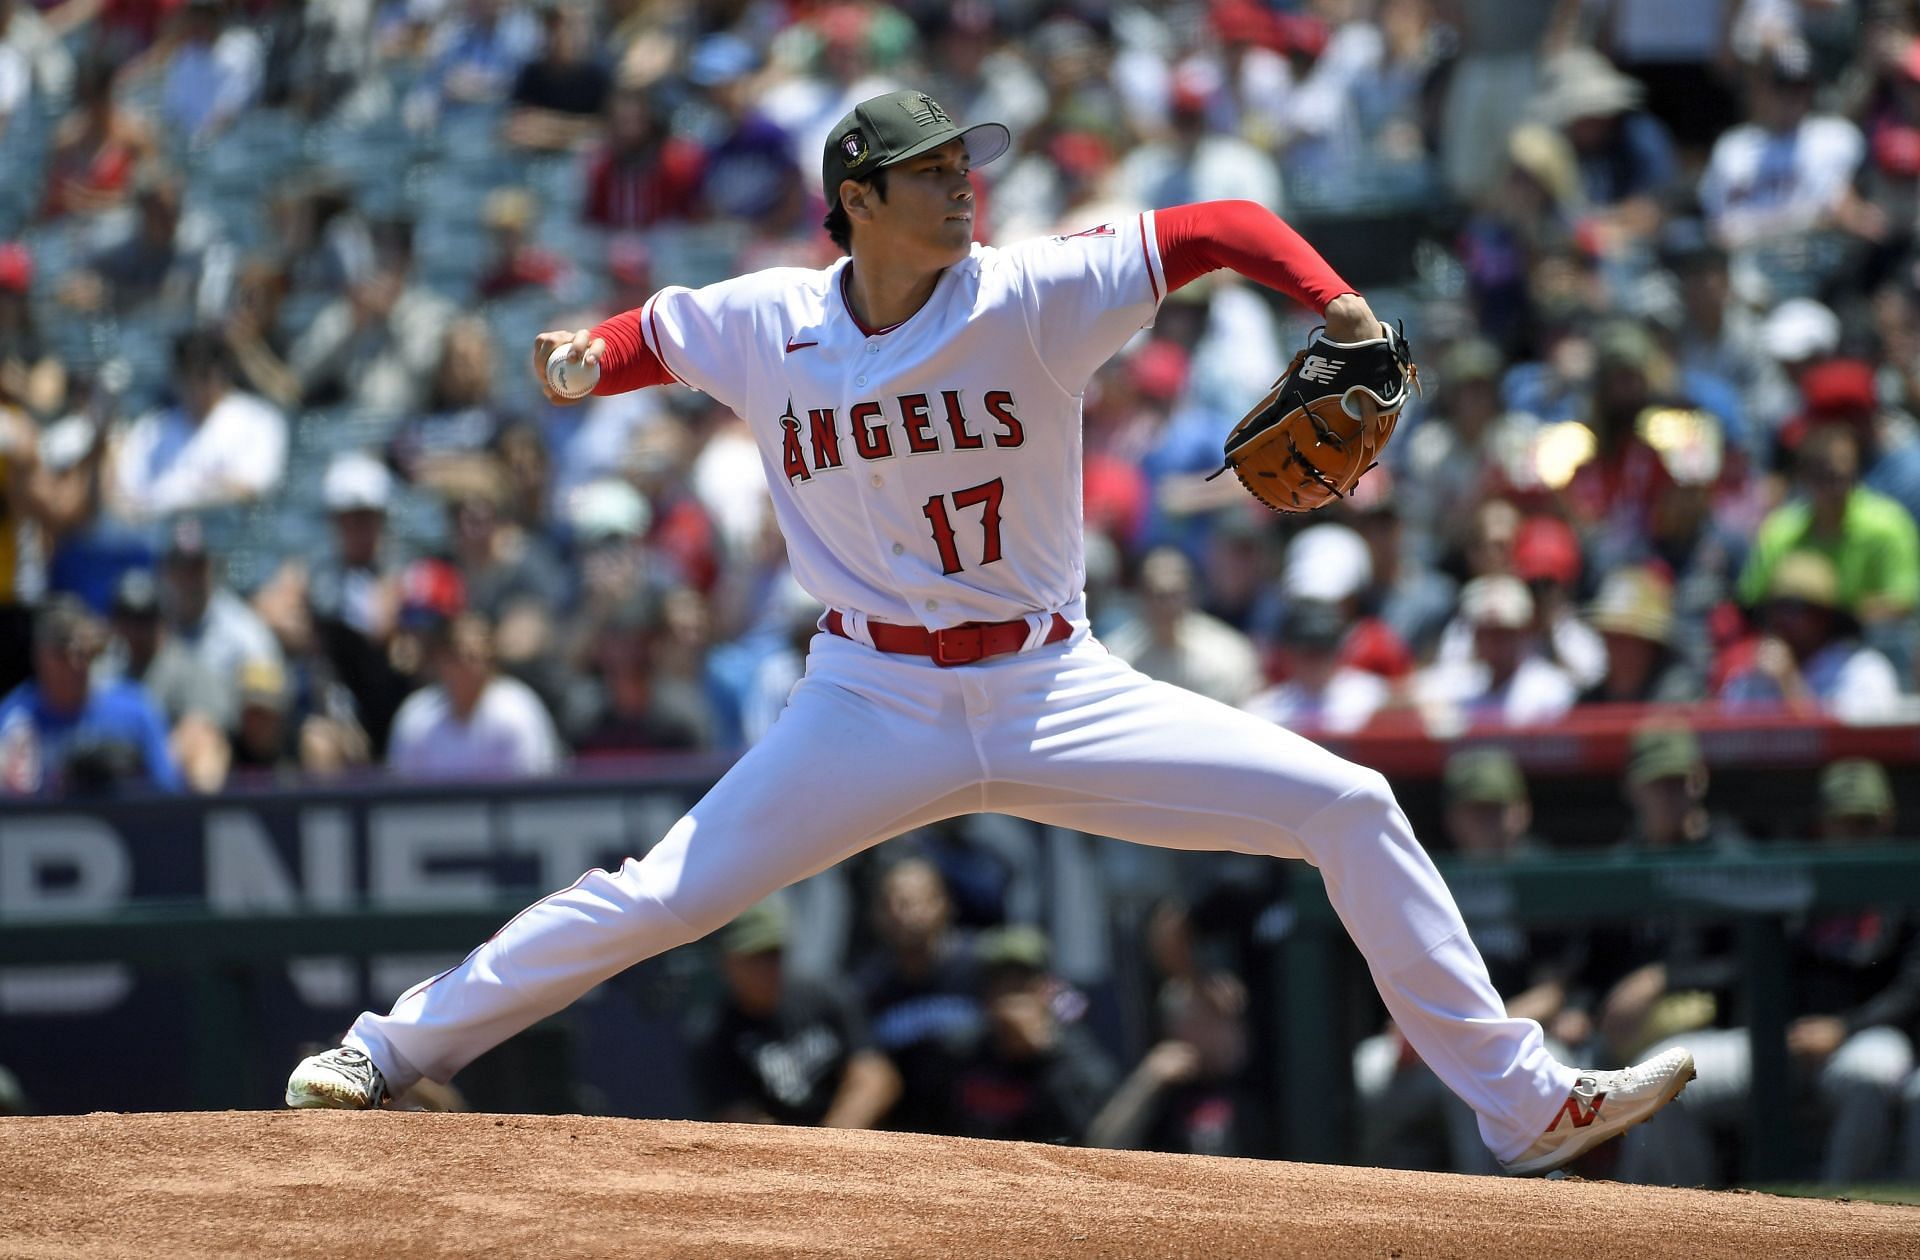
(207, 618)
(784, 1049)
(1795, 335)
(60, 735)
(1846, 392)
(1625, 155)
(215, 446)
(1505, 680)
(472, 722)
(1856, 984)
(141, 650)
(1633, 615)
(558, 96)
(1855, 980)
(1171, 640)
(1320, 693)
(1408, 1118)
(514, 262)
(1032, 1074)
(1808, 657)
(354, 593)
(1787, 170)
(1871, 541)
(1330, 564)
(1546, 556)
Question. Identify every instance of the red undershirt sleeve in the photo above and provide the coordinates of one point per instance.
(628, 363)
(1250, 239)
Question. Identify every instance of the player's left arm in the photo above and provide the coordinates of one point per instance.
(1252, 240)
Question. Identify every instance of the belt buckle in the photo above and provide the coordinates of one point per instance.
(958, 645)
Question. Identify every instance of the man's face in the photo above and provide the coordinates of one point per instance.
(1485, 828)
(755, 981)
(913, 906)
(928, 210)
(189, 584)
(358, 531)
(141, 634)
(1501, 648)
(1663, 805)
(1830, 473)
(60, 669)
(1845, 829)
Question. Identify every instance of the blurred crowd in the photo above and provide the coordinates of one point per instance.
(280, 498)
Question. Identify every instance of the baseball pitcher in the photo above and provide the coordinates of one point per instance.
(917, 409)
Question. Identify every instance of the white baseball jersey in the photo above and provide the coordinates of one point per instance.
(929, 472)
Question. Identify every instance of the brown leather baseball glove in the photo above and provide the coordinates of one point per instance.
(1324, 423)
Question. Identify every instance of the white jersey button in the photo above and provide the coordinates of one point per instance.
(878, 481)
(899, 549)
(873, 347)
(859, 380)
(932, 604)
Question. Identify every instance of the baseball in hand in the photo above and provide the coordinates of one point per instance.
(569, 377)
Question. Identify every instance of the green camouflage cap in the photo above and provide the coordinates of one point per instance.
(1855, 788)
(1663, 752)
(1484, 776)
(759, 928)
(1013, 946)
(892, 128)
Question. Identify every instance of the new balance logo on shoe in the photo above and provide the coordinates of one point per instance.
(1320, 369)
(1571, 1111)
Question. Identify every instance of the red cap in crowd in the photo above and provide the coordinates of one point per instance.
(16, 268)
(1839, 387)
(1546, 550)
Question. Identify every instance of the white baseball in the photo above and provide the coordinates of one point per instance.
(571, 378)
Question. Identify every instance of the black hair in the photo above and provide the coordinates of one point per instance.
(839, 226)
(201, 350)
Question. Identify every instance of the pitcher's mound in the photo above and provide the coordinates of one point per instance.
(384, 1186)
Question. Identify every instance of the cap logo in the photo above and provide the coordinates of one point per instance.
(854, 145)
(925, 111)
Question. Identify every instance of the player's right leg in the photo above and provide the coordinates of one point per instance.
(866, 749)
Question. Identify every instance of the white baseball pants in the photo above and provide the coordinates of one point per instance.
(871, 745)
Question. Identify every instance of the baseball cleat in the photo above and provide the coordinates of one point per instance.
(343, 1079)
(1604, 1105)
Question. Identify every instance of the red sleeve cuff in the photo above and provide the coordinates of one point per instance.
(628, 363)
(1250, 239)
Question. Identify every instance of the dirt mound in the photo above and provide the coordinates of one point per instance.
(402, 1185)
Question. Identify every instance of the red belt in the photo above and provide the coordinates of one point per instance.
(958, 645)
